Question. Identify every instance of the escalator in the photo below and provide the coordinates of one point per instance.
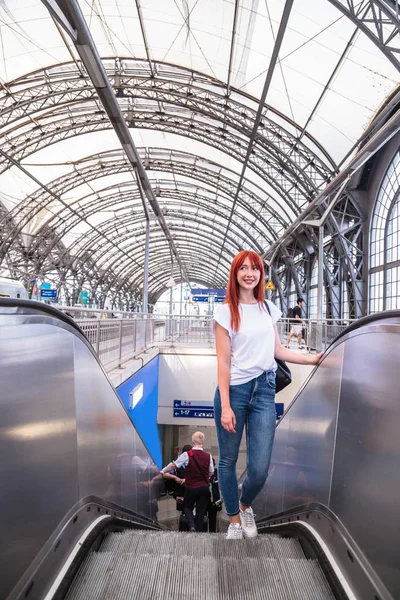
(79, 512)
(174, 565)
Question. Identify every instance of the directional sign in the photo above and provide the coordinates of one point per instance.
(194, 413)
(193, 409)
(49, 293)
(190, 410)
(192, 404)
(208, 291)
(200, 298)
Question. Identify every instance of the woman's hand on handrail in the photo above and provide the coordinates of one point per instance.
(294, 357)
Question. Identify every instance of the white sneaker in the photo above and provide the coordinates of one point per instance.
(248, 523)
(235, 532)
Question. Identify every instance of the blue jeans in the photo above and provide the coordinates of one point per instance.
(254, 406)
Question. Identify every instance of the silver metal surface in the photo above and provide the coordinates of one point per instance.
(304, 444)
(338, 445)
(64, 435)
(138, 565)
(366, 475)
(38, 469)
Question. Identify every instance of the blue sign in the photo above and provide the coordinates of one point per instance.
(194, 413)
(144, 412)
(209, 291)
(200, 298)
(189, 409)
(83, 297)
(49, 293)
(217, 299)
(191, 404)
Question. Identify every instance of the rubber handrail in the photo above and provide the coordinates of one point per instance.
(380, 316)
(44, 308)
(51, 311)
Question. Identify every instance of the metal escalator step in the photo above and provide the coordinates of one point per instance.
(181, 544)
(106, 576)
(307, 576)
(91, 578)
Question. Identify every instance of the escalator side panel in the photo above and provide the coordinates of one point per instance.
(302, 456)
(112, 461)
(38, 468)
(64, 435)
(366, 476)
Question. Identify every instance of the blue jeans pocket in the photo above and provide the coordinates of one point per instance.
(271, 379)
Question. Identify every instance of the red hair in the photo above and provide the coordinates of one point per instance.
(233, 288)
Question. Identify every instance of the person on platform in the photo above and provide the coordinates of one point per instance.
(199, 467)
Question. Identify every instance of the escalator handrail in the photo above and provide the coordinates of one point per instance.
(363, 321)
(39, 306)
(33, 305)
(57, 314)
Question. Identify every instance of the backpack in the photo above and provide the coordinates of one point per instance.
(290, 313)
(215, 496)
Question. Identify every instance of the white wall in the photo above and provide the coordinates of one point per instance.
(194, 377)
(185, 377)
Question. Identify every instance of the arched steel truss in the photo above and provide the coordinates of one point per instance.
(343, 259)
(70, 108)
(63, 104)
(211, 189)
(44, 108)
(378, 20)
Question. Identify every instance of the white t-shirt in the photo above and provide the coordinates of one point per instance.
(252, 347)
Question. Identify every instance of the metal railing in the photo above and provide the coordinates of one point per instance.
(118, 339)
(316, 335)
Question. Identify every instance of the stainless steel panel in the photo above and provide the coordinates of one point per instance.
(366, 477)
(345, 452)
(303, 450)
(113, 462)
(38, 467)
(64, 435)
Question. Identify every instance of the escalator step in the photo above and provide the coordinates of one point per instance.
(181, 544)
(150, 577)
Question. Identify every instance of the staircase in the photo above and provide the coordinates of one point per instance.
(136, 564)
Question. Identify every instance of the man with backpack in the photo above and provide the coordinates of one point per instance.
(199, 467)
(294, 314)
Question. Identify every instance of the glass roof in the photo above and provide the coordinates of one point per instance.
(188, 76)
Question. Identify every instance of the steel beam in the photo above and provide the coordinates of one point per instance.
(374, 18)
(371, 147)
(88, 53)
(274, 57)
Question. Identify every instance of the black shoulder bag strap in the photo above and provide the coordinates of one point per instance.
(191, 453)
(283, 374)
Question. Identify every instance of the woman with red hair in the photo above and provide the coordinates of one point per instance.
(247, 341)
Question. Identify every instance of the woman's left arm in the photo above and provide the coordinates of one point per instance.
(294, 357)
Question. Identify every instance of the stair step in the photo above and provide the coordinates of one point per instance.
(106, 575)
(201, 544)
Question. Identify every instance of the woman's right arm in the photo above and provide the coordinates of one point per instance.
(223, 347)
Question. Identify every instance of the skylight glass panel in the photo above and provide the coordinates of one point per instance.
(24, 26)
